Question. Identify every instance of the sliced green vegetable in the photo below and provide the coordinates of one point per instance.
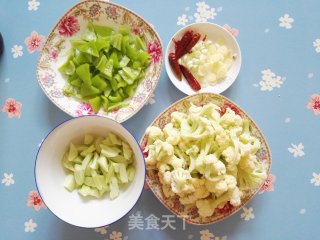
(98, 166)
(104, 63)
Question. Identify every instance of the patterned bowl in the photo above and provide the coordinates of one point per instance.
(70, 26)
(172, 203)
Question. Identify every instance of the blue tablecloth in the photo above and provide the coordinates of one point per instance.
(278, 85)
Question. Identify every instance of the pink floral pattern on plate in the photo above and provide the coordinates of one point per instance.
(268, 184)
(71, 26)
(191, 214)
(12, 108)
(35, 201)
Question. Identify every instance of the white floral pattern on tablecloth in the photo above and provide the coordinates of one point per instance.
(315, 180)
(270, 80)
(30, 226)
(247, 213)
(7, 179)
(286, 21)
(297, 150)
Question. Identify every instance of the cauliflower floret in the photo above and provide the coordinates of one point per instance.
(157, 151)
(206, 207)
(230, 119)
(179, 181)
(176, 162)
(221, 184)
(153, 134)
(229, 155)
(199, 193)
(222, 139)
(235, 197)
(251, 173)
(165, 177)
(210, 165)
(171, 134)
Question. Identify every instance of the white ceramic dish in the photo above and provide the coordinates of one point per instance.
(71, 26)
(50, 174)
(212, 32)
(191, 214)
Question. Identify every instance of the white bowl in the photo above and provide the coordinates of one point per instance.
(50, 174)
(212, 32)
(57, 48)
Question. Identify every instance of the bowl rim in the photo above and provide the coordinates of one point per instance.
(221, 28)
(75, 119)
(51, 33)
(242, 204)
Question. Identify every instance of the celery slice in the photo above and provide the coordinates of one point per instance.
(69, 182)
(123, 173)
(73, 152)
(114, 188)
(103, 163)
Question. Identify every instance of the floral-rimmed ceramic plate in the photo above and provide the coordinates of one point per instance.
(71, 26)
(172, 203)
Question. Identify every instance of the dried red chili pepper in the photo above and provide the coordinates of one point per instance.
(194, 40)
(183, 43)
(175, 65)
(194, 84)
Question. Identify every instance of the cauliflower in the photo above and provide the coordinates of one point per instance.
(206, 207)
(223, 139)
(251, 173)
(179, 181)
(229, 119)
(210, 165)
(171, 134)
(153, 133)
(158, 151)
(221, 184)
(191, 198)
(204, 158)
(165, 177)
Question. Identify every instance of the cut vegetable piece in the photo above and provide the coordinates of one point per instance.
(88, 150)
(99, 83)
(127, 152)
(131, 172)
(117, 105)
(115, 98)
(86, 91)
(103, 31)
(116, 41)
(67, 68)
(83, 71)
(73, 152)
(79, 174)
(115, 139)
(89, 34)
(108, 151)
(95, 103)
(123, 173)
(94, 163)
(88, 191)
(88, 139)
(114, 188)
(103, 163)
(69, 182)
(124, 61)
